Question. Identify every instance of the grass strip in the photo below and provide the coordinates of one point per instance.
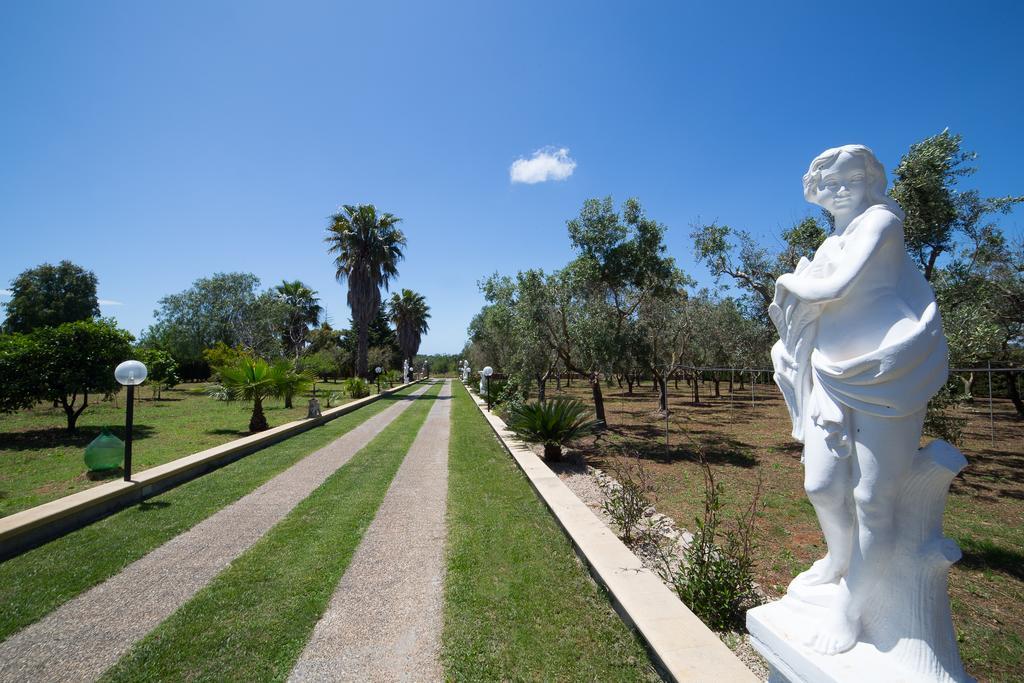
(518, 604)
(36, 582)
(252, 622)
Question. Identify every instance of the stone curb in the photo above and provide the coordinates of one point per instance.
(27, 529)
(681, 646)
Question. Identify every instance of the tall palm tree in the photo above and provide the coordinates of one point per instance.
(303, 311)
(367, 248)
(409, 312)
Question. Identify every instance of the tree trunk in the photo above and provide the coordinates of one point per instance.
(288, 400)
(552, 452)
(258, 421)
(696, 390)
(718, 385)
(595, 388)
(662, 394)
(618, 378)
(542, 382)
(362, 348)
(1014, 393)
(629, 384)
(675, 377)
(71, 412)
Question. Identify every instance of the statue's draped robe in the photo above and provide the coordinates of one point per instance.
(889, 381)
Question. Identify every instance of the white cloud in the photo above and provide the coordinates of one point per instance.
(5, 293)
(110, 302)
(545, 164)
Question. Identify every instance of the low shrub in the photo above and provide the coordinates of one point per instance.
(626, 501)
(357, 387)
(715, 578)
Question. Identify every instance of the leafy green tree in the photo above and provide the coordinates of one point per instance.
(367, 247)
(20, 387)
(409, 312)
(326, 363)
(324, 337)
(47, 296)
(938, 215)
(379, 335)
(303, 310)
(162, 369)
(227, 308)
(753, 268)
(77, 359)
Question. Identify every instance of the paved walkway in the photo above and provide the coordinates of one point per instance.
(384, 620)
(87, 635)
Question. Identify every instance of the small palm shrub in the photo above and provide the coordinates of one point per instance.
(291, 381)
(357, 387)
(251, 380)
(554, 423)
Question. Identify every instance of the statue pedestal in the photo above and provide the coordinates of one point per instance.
(777, 631)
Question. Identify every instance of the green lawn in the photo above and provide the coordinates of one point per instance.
(41, 461)
(252, 622)
(518, 604)
(34, 583)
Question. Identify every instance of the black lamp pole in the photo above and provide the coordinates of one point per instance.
(128, 434)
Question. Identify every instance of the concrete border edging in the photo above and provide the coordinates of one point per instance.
(681, 645)
(29, 528)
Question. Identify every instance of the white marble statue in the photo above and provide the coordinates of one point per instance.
(861, 353)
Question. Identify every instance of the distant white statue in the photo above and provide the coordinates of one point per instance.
(861, 353)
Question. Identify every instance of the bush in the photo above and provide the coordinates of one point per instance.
(553, 423)
(715, 579)
(627, 502)
(357, 387)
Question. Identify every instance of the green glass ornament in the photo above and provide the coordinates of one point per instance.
(104, 453)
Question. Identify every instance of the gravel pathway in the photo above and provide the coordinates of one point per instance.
(84, 637)
(384, 620)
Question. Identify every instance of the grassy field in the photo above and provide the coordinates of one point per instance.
(34, 583)
(41, 461)
(743, 439)
(252, 622)
(518, 604)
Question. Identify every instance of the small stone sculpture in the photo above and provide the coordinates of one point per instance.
(861, 353)
(314, 409)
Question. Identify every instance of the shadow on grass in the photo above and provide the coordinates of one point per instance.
(151, 505)
(649, 444)
(54, 437)
(105, 475)
(981, 555)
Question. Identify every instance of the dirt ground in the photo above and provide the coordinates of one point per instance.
(747, 437)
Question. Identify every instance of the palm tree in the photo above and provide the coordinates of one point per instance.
(290, 381)
(251, 380)
(367, 248)
(409, 311)
(303, 311)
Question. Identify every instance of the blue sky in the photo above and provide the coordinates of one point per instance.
(155, 143)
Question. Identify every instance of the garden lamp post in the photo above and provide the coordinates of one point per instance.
(129, 373)
(378, 370)
(487, 372)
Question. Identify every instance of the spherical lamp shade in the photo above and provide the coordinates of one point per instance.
(378, 369)
(130, 372)
(488, 371)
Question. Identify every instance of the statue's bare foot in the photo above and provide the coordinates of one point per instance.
(825, 570)
(837, 633)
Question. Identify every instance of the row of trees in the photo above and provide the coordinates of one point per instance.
(621, 308)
